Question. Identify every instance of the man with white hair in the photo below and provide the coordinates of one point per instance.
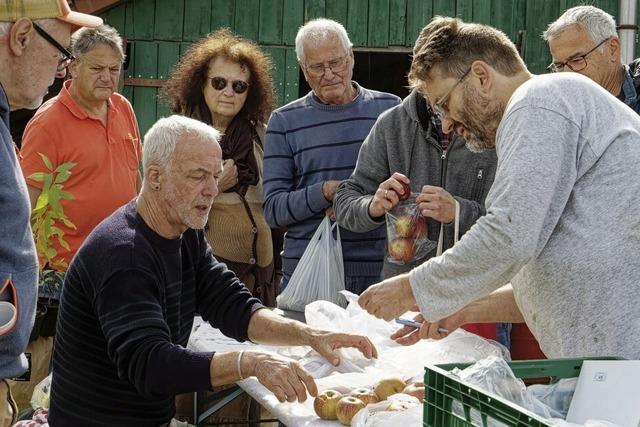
(312, 145)
(584, 40)
(132, 290)
(33, 40)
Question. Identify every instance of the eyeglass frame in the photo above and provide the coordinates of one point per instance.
(67, 56)
(438, 108)
(554, 68)
(227, 81)
(344, 59)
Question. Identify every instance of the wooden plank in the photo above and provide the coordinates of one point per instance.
(291, 77)
(247, 16)
(127, 91)
(292, 19)
(464, 9)
(197, 19)
(336, 10)
(116, 18)
(509, 16)
(144, 98)
(184, 47)
(357, 17)
(397, 22)
(277, 55)
(270, 22)
(482, 11)
(168, 54)
(128, 20)
(169, 20)
(539, 13)
(444, 7)
(313, 9)
(378, 25)
(143, 14)
(419, 12)
(610, 6)
(222, 14)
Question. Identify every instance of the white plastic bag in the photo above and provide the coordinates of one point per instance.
(320, 273)
(41, 393)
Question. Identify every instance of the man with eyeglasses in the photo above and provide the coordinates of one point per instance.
(28, 64)
(584, 40)
(312, 144)
(558, 247)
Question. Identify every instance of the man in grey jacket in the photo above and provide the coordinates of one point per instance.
(561, 223)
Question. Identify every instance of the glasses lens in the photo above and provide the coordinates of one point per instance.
(239, 86)
(218, 83)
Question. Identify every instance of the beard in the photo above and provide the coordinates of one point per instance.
(186, 211)
(481, 117)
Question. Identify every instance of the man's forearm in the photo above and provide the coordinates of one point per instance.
(498, 306)
(266, 327)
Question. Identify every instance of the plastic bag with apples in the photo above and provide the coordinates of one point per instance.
(407, 239)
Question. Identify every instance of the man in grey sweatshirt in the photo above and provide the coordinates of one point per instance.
(561, 224)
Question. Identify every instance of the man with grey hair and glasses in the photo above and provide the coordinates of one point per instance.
(312, 145)
(584, 40)
(33, 47)
(132, 291)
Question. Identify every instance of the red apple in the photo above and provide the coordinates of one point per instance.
(404, 226)
(406, 192)
(347, 408)
(402, 249)
(325, 404)
(419, 226)
(415, 390)
(388, 386)
(365, 394)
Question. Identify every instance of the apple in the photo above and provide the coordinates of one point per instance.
(415, 390)
(404, 226)
(325, 404)
(347, 408)
(406, 192)
(398, 406)
(402, 249)
(419, 226)
(365, 394)
(388, 386)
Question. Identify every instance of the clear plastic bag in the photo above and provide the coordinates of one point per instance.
(41, 393)
(407, 239)
(399, 410)
(319, 274)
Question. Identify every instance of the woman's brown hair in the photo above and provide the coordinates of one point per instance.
(184, 90)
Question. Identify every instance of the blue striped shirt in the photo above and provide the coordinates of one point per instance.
(307, 143)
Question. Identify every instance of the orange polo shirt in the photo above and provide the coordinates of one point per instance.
(106, 157)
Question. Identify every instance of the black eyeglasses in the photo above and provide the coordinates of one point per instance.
(577, 63)
(65, 56)
(238, 86)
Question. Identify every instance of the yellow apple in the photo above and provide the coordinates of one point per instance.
(415, 390)
(347, 408)
(325, 404)
(365, 394)
(388, 386)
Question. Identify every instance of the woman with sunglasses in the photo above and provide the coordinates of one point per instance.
(225, 81)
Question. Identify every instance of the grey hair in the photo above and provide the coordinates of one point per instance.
(87, 39)
(46, 24)
(160, 141)
(596, 22)
(319, 30)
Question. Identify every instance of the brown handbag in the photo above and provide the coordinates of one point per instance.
(8, 307)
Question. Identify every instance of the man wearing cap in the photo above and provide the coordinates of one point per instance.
(32, 51)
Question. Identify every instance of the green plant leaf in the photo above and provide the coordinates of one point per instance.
(46, 161)
(43, 201)
(63, 243)
(64, 168)
(62, 177)
(38, 176)
(68, 223)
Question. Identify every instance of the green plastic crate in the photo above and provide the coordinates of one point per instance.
(442, 389)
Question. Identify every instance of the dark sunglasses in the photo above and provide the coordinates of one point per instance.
(65, 56)
(238, 86)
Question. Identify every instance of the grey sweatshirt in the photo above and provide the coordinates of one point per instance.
(562, 223)
(398, 143)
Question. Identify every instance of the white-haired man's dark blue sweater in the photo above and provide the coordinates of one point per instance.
(307, 143)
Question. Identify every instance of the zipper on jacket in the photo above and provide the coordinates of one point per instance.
(479, 174)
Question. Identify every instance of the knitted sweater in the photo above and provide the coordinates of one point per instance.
(307, 143)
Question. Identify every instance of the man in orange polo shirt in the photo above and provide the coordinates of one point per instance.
(95, 128)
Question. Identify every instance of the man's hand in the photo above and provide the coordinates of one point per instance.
(285, 378)
(387, 195)
(408, 335)
(326, 343)
(329, 189)
(436, 203)
(229, 176)
(388, 299)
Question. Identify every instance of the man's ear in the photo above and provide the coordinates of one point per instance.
(154, 176)
(20, 36)
(613, 49)
(482, 73)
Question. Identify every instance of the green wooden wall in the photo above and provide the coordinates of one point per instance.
(159, 31)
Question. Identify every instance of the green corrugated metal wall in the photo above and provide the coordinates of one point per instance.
(160, 30)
